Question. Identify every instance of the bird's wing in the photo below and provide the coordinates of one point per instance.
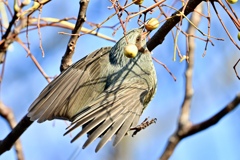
(113, 112)
(69, 93)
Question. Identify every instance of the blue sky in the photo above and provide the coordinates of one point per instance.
(214, 82)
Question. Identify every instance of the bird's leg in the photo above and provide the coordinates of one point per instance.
(143, 125)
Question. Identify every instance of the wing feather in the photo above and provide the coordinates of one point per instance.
(107, 118)
(107, 111)
(111, 113)
(56, 100)
(110, 133)
(126, 125)
(69, 93)
(110, 120)
(113, 130)
(43, 97)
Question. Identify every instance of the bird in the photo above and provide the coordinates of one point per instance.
(105, 92)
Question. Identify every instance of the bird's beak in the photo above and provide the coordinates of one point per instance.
(144, 48)
(145, 34)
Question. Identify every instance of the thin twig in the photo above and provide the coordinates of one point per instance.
(233, 17)
(39, 31)
(165, 66)
(63, 23)
(159, 36)
(224, 27)
(235, 70)
(147, 9)
(34, 60)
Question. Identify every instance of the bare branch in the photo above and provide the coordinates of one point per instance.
(8, 115)
(184, 121)
(214, 119)
(12, 137)
(192, 129)
(67, 58)
(159, 36)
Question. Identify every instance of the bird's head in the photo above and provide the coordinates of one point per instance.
(136, 37)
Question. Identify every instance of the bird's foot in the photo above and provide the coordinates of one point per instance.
(143, 125)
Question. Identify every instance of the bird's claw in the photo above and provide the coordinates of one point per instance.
(143, 125)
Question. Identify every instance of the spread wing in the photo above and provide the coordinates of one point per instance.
(69, 93)
(112, 112)
(105, 100)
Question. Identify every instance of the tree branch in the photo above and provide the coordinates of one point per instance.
(8, 115)
(184, 121)
(67, 58)
(159, 36)
(214, 119)
(12, 137)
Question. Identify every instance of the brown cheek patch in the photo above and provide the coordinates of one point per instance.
(144, 50)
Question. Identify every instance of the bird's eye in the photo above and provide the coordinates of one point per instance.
(138, 39)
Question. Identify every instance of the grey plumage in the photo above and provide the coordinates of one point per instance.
(105, 92)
